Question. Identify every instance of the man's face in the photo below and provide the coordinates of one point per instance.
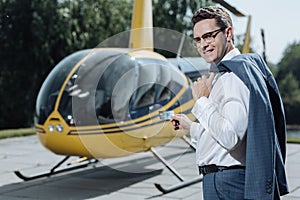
(212, 51)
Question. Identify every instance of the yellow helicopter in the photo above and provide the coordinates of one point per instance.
(113, 102)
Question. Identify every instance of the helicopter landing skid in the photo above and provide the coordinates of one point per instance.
(177, 186)
(80, 163)
(183, 182)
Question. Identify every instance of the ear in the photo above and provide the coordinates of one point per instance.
(229, 33)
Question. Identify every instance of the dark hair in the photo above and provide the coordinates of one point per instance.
(223, 19)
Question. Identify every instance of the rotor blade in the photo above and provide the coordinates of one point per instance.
(229, 7)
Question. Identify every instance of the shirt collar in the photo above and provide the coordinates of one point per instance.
(234, 52)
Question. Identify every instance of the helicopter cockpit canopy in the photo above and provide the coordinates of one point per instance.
(105, 86)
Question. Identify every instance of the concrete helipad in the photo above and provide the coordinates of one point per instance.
(130, 177)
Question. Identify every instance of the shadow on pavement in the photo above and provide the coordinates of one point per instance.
(85, 184)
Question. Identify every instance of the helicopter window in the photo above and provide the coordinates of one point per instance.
(163, 93)
(112, 94)
(144, 96)
(158, 82)
(87, 98)
(103, 106)
(50, 89)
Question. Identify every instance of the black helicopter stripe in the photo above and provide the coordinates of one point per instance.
(116, 126)
(110, 132)
(40, 130)
(126, 125)
(86, 132)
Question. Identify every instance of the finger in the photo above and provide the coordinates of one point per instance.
(212, 76)
(176, 117)
(204, 76)
(175, 122)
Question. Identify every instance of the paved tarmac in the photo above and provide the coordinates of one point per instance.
(109, 179)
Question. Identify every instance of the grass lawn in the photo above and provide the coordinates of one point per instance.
(293, 140)
(16, 132)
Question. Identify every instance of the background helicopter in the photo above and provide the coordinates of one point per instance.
(108, 102)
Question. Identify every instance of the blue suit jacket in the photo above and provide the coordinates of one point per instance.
(266, 133)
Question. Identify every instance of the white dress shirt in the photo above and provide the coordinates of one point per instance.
(223, 120)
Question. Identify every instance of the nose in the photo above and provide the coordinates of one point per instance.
(203, 45)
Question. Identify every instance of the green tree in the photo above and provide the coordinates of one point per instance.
(18, 57)
(290, 91)
(35, 35)
(176, 16)
(288, 76)
(290, 62)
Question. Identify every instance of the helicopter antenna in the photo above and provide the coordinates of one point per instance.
(264, 44)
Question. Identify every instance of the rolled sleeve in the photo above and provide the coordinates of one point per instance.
(202, 110)
(196, 131)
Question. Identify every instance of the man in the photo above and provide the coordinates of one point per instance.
(240, 132)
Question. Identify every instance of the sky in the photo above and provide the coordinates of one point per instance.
(279, 19)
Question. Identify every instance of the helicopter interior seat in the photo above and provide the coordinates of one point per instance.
(99, 99)
(103, 108)
(144, 96)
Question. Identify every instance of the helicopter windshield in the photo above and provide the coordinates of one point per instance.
(49, 91)
(87, 98)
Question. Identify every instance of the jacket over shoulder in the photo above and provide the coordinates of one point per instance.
(266, 133)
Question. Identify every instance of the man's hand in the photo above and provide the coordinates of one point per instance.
(181, 121)
(202, 86)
